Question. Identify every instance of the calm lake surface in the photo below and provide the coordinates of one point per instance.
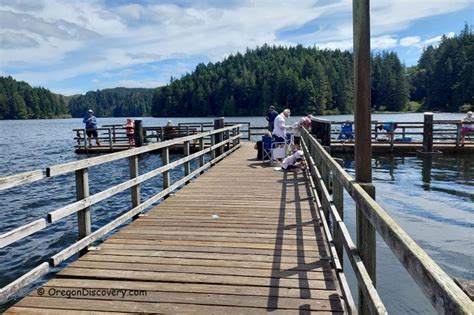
(431, 199)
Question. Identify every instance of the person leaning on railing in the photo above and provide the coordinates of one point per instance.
(466, 126)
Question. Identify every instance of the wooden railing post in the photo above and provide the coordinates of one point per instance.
(135, 190)
(111, 145)
(338, 200)
(366, 243)
(138, 133)
(218, 124)
(201, 147)
(187, 165)
(165, 159)
(428, 133)
(84, 215)
(458, 134)
(213, 152)
(113, 134)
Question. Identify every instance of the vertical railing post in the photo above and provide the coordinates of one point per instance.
(219, 137)
(201, 148)
(458, 134)
(338, 200)
(135, 190)
(428, 133)
(86, 145)
(213, 151)
(187, 165)
(111, 144)
(138, 133)
(113, 134)
(363, 138)
(165, 159)
(84, 215)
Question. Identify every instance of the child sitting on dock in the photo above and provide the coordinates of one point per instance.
(130, 131)
(294, 162)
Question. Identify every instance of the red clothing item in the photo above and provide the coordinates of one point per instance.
(129, 127)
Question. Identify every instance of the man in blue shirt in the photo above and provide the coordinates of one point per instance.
(271, 115)
(91, 127)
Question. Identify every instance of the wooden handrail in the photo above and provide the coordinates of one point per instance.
(439, 288)
(85, 201)
(76, 165)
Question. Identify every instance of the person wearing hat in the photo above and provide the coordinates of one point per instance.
(293, 162)
(467, 125)
(91, 127)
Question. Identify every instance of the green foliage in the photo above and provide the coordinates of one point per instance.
(18, 100)
(444, 77)
(118, 102)
(466, 108)
(412, 107)
(307, 80)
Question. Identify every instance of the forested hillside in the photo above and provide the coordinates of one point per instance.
(118, 102)
(18, 100)
(444, 77)
(307, 80)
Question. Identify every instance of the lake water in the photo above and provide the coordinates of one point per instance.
(432, 199)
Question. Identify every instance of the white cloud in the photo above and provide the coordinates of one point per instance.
(139, 84)
(55, 40)
(383, 42)
(435, 40)
(410, 41)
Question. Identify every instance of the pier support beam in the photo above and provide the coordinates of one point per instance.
(218, 124)
(83, 216)
(428, 133)
(363, 145)
(138, 134)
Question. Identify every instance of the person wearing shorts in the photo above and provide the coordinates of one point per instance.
(91, 127)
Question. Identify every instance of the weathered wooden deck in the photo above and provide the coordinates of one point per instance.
(242, 238)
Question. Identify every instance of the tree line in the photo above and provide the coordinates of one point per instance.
(444, 77)
(117, 102)
(308, 80)
(18, 100)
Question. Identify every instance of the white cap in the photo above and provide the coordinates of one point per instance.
(90, 111)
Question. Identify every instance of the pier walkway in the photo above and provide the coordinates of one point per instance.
(241, 238)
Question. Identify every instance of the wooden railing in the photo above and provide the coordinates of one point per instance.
(329, 181)
(446, 131)
(204, 126)
(224, 141)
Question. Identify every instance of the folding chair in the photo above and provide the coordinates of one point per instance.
(266, 148)
(272, 151)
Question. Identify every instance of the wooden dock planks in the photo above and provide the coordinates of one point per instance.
(241, 239)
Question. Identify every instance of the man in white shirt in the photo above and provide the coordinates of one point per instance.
(279, 129)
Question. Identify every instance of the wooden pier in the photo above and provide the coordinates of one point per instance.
(232, 236)
(242, 238)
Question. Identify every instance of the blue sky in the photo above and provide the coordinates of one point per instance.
(74, 46)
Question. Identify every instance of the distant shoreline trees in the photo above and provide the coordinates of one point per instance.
(308, 80)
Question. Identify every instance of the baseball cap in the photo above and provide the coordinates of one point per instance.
(90, 111)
